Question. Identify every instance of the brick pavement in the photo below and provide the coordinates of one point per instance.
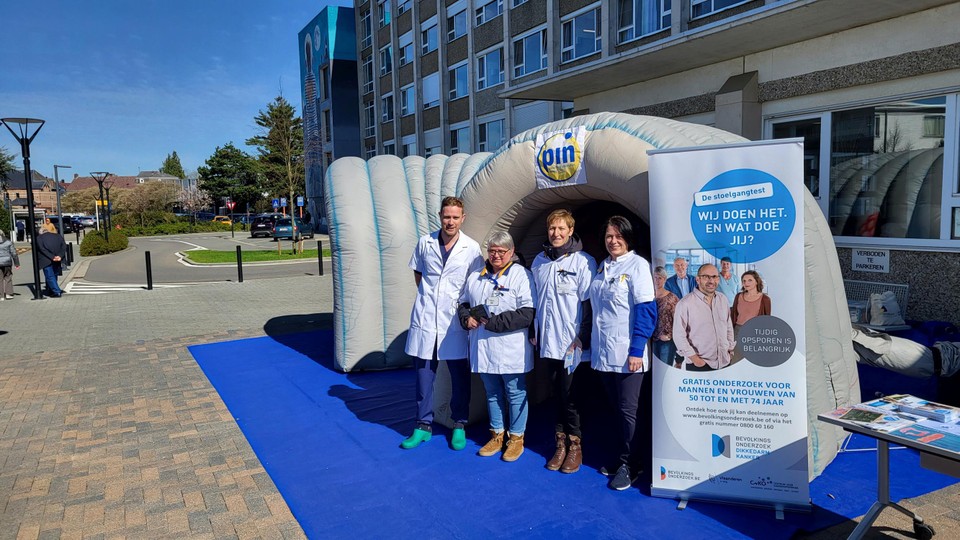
(109, 429)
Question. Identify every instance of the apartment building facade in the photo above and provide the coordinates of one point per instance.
(873, 87)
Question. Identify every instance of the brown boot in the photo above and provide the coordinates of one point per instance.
(574, 456)
(514, 448)
(557, 460)
(494, 445)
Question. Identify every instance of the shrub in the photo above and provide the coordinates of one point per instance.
(94, 244)
(178, 227)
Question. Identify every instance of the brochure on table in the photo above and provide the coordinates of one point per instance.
(739, 433)
(894, 415)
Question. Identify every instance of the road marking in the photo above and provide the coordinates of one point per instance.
(89, 287)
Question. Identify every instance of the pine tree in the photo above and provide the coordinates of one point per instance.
(172, 166)
(279, 146)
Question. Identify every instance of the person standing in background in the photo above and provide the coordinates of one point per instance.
(50, 252)
(729, 282)
(8, 261)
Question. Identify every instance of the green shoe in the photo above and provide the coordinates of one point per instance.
(419, 436)
(459, 439)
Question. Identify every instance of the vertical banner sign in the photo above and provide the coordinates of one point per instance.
(559, 158)
(736, 430)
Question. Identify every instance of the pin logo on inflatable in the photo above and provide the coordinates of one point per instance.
(559, 156)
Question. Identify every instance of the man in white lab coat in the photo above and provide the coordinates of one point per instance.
(440, 263)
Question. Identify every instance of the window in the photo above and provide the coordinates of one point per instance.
(581, 35)
(384, 11)
(408, 146)
(390, 148)
(459, 84)
(371, 151)
(810, 131)
(933, 126)
(405, 54)
(403, 6)
(638, 18)
(530, 53)
(883, 177)
(324, 82)
(428, 36)
(566, 109)
(369, 119)
(457, 25)
(491, 9)
(518, 2)
(460, 139)
(327, 126)
(432, 142)
(490, 136)
(431, 90)
(490, 69)
(701, 8)
(386, 107)
(408, 100)
(386, 60)
(367, 74)
(366, 30)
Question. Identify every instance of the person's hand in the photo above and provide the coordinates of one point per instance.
(575, 345)
(533, 341)
(697, 361)
(472, 324)
(56, 258)
(634, 363)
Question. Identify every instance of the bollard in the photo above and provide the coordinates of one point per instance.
(320, 255)
(239, 266)
(69, 253)
(146, 255)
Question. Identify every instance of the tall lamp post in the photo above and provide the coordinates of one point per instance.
(100, 177)
(24, 137)
(106, 187)
(56, 178)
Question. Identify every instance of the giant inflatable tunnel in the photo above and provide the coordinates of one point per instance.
(379, 208)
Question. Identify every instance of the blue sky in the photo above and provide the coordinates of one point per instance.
(122, 83)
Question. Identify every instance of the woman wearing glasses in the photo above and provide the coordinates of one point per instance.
(497, 309)
(624, 318)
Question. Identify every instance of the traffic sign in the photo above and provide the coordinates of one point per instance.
(283, 202)
(299, 200)
(276, 204)
(230, 205)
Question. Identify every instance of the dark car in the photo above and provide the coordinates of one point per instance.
(262, 225)
(293, 228)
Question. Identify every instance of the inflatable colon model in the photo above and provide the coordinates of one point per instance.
(377, 210)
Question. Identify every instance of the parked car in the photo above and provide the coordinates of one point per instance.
(88, 221)
(223, 219)
(293, 228)
(67, 224)
(262, 225)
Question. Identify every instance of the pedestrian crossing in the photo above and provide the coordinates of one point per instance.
(89, 287)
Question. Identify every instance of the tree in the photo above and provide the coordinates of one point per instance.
(6, 165)
(279, 145)
(172, 166)
(80, 201)
(193, 200)
(150, 197)
(230, 173)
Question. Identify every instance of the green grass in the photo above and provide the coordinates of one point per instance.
(207, 256)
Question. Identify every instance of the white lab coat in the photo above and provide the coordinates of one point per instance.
(617, 287)
(433, 321)
(491, 352)
(561, 286)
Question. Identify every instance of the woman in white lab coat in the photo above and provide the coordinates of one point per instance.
(624, 305)
(497, 309)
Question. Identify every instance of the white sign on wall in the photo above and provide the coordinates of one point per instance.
(871, 260)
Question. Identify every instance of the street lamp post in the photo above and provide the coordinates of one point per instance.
(106, 187)
(100, 177)
(56, 178)
(24, 137)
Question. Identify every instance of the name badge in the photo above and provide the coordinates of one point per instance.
(493, 300)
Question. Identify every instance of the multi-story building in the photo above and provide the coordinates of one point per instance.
(873, 87)
(328, 70)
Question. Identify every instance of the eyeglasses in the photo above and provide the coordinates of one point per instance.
(497, 252)
(715, 276)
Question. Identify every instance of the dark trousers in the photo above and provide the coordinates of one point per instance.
(565, 388)
(631, 399)
(459, 389)
(50, 278)
(705, 367)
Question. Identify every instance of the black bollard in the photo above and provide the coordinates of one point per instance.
(239, 266)
(146, 255)
(69, 253)
(320, 255)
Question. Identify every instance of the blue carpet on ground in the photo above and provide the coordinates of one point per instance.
(330, 442)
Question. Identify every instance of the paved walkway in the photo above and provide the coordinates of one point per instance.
(109, 429)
